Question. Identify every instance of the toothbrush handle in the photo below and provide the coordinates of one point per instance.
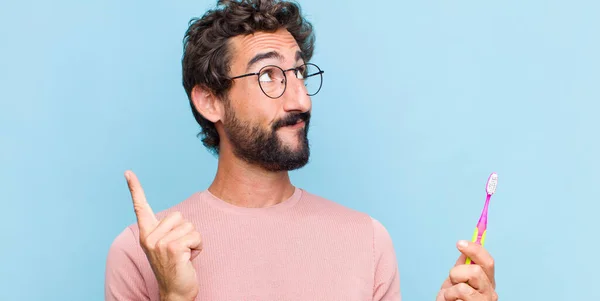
(478, 238)
(481, 229)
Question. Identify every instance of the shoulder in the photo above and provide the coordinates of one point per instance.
(127, 269)
(385, 265)
(380, 232)
(325, 205)
(334, 210)
(125, 249)
(126, 241)
(382, 240)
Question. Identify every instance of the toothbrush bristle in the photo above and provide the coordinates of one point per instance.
(492, 183)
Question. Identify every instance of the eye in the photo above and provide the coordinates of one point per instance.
(265, 76)
(300, 72)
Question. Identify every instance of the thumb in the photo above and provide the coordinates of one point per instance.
(461, 244)
(145, 216)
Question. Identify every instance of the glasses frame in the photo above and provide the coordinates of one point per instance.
(320, 73)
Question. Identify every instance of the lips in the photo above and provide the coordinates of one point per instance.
(292, 120)
(298, 124)
(295, 123)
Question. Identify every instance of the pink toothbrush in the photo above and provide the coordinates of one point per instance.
(481, 229)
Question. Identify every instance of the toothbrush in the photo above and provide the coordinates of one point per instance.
(481, 229)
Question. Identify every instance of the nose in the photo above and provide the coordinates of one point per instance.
(296, 96)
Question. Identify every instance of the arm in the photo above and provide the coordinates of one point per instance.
(387, 278)
(123, 279)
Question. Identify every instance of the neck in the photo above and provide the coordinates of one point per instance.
(246, 185)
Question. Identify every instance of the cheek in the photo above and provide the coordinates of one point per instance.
(269, 111)
(251, 105)
(261, 110)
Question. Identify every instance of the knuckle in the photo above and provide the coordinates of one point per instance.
(173, 248)
(146, 244)
(175, 216)
(465, 289)
(452, 275)
(160, 245)
(454, 270)
(494, 296)
(447, 293)
(441, 295)
(490, 263)
(476, 269)
(188, 226)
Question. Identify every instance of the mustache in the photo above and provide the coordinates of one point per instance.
(291, 119)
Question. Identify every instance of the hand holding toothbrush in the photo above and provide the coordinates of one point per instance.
(472, 277)
(470, 282)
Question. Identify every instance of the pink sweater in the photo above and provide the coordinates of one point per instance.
(305, 248)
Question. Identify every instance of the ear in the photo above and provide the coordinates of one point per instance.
(207, 104)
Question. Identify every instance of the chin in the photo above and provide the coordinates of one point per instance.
(290, 141)
(292, 145)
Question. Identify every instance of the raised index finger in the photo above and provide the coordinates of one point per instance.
(145, 216)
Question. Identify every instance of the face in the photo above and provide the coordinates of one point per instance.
(269, 132)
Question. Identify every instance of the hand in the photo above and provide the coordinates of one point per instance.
(474, 282)
(170, 246)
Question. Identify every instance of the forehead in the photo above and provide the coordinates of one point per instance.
(244, 48)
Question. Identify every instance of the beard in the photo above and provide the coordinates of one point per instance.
(258, 146)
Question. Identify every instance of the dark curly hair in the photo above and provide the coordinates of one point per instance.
(206, 56)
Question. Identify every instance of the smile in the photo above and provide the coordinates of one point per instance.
(298, 125)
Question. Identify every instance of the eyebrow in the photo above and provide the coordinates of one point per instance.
(270, 55)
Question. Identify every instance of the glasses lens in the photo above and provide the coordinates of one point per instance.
(313, 78)
(272, 81)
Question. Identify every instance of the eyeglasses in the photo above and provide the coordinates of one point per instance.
(273, 80)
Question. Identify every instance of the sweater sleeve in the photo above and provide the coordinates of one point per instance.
(387, 278)
(123, 278)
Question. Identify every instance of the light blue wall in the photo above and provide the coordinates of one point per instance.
(421, 101)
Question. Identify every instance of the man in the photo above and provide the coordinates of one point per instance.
(252, 235)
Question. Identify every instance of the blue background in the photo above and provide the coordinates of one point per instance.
(421, 101)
